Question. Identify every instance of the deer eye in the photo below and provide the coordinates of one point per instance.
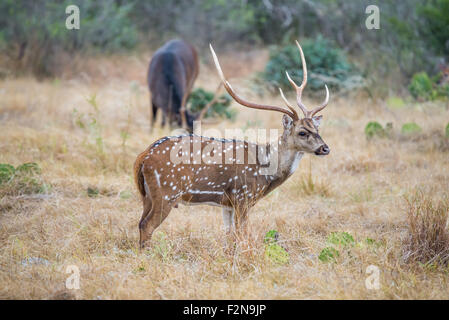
(302, 133)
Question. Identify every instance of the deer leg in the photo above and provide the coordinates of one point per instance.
(183, 111)
(153, 114)
(228, 219)
(164, 117)
(147, 205)
(156, 216)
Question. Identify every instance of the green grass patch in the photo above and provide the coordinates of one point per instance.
(410, 128)
(24, 179)
(374, 129)
(275, 253)
(340, 238)
(395, 103)
(329, 254)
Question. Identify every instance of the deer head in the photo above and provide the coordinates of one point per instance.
(299, 134)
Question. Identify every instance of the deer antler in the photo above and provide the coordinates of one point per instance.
(299, 89)
(323, 105)
(292, 113)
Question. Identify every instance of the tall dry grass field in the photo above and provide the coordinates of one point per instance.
(84, 132)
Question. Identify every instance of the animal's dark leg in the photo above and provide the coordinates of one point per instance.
(164, 118)
(153, 113)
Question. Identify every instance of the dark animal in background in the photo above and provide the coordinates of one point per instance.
(173, 70)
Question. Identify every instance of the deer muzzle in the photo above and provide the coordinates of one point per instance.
(322, 150)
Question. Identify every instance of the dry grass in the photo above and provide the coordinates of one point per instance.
(428, 240)
(358, 188)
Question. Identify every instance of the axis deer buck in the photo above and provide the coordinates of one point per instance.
(228, 173)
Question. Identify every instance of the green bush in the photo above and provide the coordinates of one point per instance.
(374, 129)
(435, 17)
(6, 172)
(273, 251)
(34, 32)
(328, 254)
(325, 64)
(410, 128)
(199, 98)
(447, 130)
(25, 179)
(341, 238)
(422, 87)
(271, 236)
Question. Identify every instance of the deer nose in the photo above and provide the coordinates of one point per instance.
(323, 150)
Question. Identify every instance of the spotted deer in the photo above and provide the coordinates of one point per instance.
(228, 173)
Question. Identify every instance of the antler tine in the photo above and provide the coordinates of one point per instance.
(241, 101)
(287, 103)
(304, 66)
(323, 105)
(300, 88)
(298, 95)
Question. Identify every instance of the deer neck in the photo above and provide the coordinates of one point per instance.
(288, 161)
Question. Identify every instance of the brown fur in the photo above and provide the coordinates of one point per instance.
(172, 72)
(226, 173)
(138, 176)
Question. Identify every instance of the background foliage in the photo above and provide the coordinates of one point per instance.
(413, 35)
(200, 98)
(325, 63)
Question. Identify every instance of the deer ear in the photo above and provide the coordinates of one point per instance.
(287, 122)
(317, 120)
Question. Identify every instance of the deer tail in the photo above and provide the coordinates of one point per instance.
(138, 174)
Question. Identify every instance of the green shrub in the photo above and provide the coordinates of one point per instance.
(422, 87)
(93, 192)
(410, 128)
(374, 129)
(434, 15)
(325, 64)
(271, 237)
(276, 254)
(273, 251)
(340, 238)
(6, 172)
(447, 130)
(25, 179)
(328, 254)
(199, 98)
(34, 32)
